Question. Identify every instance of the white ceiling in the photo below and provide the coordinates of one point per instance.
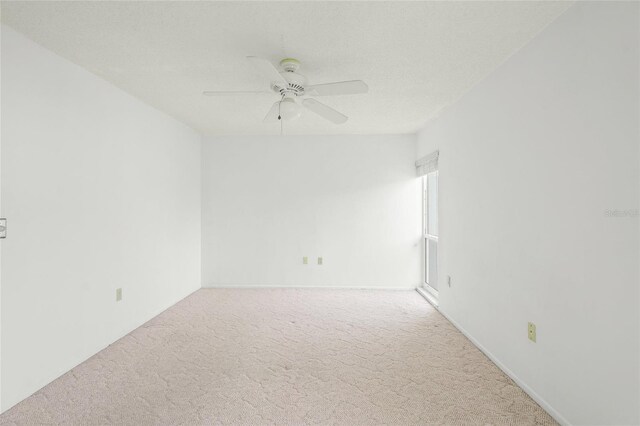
(417, 57)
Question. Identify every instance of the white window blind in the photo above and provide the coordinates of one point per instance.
(427, 164)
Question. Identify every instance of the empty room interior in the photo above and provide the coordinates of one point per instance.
(322, 212)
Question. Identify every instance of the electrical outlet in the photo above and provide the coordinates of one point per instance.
(305, 260)
(118, 294)
(531, 330)
(319, 261)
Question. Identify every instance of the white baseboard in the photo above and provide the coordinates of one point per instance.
(428, 296)
(328, 287)
(537, 398)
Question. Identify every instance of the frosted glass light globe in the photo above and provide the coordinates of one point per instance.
(289, 109)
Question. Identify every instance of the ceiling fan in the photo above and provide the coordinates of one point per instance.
(293, 90)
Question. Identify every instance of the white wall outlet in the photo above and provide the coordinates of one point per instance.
(305, 260)
(531, 332)
(118, 294)
(320, 261)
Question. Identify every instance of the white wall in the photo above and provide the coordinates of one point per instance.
(0, 213)
(530, 162)
(269, 201)
(101, 191)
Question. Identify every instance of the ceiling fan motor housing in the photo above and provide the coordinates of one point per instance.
(296, 82)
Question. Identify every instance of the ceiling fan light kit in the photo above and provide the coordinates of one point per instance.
(289, 109)
(293, 90)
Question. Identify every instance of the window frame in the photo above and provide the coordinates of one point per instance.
(425, 228)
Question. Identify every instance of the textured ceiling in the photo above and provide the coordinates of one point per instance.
(417, 57)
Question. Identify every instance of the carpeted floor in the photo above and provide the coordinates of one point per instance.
(286, 356)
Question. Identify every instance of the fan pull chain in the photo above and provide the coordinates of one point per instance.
(279, 116)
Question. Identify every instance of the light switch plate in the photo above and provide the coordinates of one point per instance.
(319, 261)
(305, 260)
(118, 294)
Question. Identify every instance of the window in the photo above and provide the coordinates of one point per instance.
(430, 226)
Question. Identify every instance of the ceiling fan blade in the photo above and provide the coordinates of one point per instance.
(352, 87)
(234, 92)
(268, 70)
(325, 111)
(273, 113)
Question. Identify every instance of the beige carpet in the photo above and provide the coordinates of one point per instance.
(286, 356)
